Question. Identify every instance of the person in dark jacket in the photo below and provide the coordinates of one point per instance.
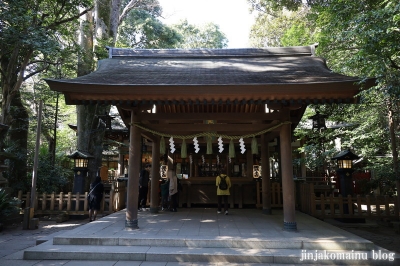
(144, 186)
(94, 197)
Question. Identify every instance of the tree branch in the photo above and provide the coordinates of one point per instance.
(35, 72)
(393, 64)
(57, 23)
(131, 5)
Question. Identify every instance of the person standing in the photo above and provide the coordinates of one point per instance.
(164, 195)
(223, 183)
(144, 186)
(94, 197)
(173, 190)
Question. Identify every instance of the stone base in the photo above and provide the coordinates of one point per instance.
(34, 223)
(131, 224)
(290, 226)
(62, 217)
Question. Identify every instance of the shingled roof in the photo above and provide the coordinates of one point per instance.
(208, 75)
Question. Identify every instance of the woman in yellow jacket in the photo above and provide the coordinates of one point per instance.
(223, 183)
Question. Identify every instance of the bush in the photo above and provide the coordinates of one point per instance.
(8, 205)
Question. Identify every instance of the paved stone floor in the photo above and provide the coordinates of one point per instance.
(13, 239)
(382, 235)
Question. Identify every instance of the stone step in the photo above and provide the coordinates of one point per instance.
(215, 242)
(47, 251)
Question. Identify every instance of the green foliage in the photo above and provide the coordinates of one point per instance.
(283, 28)
(204, 36)
(384, 180)
(362, 36)
(52, 178)
(297, 35)
(8, 205)
(142, 30)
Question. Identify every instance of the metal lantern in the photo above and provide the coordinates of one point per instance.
(81, 160)
(344, 163)
(344, 173)
(345, 159)
(106, 118)
(318, 121)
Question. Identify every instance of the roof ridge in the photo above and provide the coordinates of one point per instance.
(214, 53)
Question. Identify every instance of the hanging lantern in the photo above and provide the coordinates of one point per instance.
(256, 171)
(318, 121)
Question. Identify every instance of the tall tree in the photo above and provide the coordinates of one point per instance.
(362, 38)
(203, 36)
(29, 34)
(95, 34)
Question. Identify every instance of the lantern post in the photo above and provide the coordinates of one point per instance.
(344, 172)
(81, 160)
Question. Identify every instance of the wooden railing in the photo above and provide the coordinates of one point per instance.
(372, 207)
(73, 204)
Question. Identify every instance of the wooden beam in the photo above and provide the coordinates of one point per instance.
(210, 116)
(231, 129)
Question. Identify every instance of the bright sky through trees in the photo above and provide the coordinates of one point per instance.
(232, 16)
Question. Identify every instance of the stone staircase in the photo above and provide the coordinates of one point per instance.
(107, 240)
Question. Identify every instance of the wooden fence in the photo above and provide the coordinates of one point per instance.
(276, 195)
(372, 207)
(73, 204)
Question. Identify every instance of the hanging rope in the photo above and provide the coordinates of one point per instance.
(210, 134)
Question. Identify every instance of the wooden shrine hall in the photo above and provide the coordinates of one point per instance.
(233, 102)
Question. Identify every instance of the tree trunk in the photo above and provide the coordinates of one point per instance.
(18, 135)
(393, 142)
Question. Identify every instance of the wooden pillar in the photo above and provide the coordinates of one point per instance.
(131, 221)
(155, 175)
(121, 165)
(289, 219)
(266, 179)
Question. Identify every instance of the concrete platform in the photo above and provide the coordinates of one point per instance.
(201, 235)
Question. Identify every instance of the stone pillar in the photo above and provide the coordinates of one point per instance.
(131, 221)
(266, 179)
(289, 219)
(155, 175)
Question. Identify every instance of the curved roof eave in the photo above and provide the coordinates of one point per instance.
(267, 74)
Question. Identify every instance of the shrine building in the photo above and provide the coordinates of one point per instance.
(206, 111)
